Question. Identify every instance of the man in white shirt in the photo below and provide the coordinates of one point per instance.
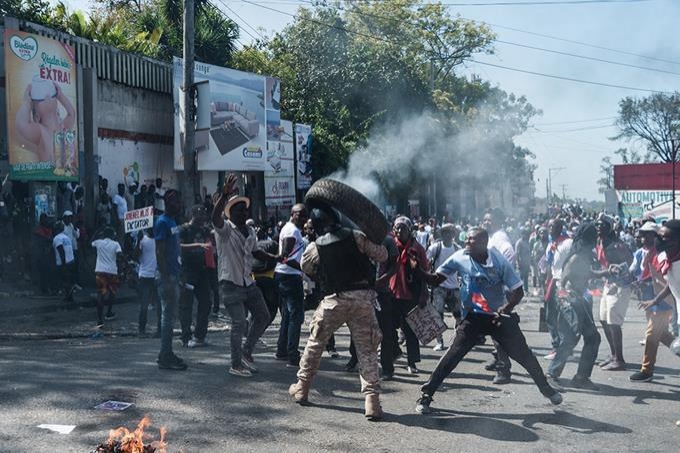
(63, 253)
(500, 241)
(109, 253)
(288, 277)
(446, 293)
(236, 247)
(120, 206)
(146, 255)
(73, 234)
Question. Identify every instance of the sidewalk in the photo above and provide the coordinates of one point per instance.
(24, 315)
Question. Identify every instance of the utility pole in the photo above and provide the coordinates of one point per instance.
(564, 196)
(550, 172)
(189, 185)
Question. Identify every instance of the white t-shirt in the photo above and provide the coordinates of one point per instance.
(452, 281)
(73, 234)
(501, 242)
(107, 250)
(159, 202)
(121, 204)
(147, 258)
(423, 237)
(673, 279)
(289, 230)
(561, 253)
(64, 241)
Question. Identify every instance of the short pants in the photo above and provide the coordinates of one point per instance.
(106, 283)
(613, 307)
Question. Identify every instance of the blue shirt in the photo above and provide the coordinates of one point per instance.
(490, 279)
(166, 230)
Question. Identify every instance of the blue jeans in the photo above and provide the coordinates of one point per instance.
(575, 319)
(169, 300)
(291, 300)
(148, 296)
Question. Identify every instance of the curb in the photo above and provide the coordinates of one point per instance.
(94, 335)
(61, 305)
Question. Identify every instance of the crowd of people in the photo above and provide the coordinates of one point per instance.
(477, 270)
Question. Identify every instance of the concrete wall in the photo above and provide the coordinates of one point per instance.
(122, 161)
(134, 110)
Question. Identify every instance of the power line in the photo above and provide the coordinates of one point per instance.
(467, 59)
(526, 46)
(571, 79)
(244, 21)
(544, 2)
(576, 121)
(576, 129)
(581, 43)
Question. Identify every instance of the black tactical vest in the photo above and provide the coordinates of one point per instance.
(342, 267)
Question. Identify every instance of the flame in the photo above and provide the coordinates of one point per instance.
(133, 441)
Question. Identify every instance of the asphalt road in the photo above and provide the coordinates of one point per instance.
(207, 410)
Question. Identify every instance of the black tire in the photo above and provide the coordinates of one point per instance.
(350, 203)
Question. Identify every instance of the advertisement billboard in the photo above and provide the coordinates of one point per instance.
(40, 88)
(238, 118)
(655, 203)
(279, 174)
(303, 148)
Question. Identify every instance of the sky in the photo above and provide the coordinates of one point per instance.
(573, 134)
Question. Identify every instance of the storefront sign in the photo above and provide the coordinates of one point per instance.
(42, 113)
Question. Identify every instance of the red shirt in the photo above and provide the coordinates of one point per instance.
(401, 283)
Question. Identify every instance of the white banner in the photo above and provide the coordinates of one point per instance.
(279, 176)
(303, 147)
(139, 219)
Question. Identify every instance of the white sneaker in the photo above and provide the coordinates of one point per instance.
(438, 347)
(642, 342)
(240, 372)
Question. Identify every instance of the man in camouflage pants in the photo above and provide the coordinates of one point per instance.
(340, 260)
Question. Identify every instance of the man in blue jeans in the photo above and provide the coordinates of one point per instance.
(288, 277)
(166, 234)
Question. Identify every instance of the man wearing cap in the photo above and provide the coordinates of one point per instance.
(288, 277)
(63, 251)
(197, 257)
(236, 248)
(615, 258)
(446, 294)
(658, 314)
(408, 289)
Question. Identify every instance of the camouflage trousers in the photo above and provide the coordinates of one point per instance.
(357, 309)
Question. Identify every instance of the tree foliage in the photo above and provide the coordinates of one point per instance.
(654, 120)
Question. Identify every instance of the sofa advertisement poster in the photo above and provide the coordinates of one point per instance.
(279, 173)
(303, 148)
(237, 138)
(42, 123)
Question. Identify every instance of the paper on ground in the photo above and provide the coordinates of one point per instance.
(61, 429)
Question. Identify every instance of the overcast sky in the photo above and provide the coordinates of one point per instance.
(576, 123)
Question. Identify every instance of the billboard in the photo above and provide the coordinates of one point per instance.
(638, 203)
(238, 118)
(279, 174)
(645, 177)
(40, 89)
(303, 148)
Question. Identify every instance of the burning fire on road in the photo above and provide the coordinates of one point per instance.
(122, 440)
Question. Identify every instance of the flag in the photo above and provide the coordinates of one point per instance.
(479, 302)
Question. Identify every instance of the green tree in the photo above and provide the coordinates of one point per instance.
(654, 120)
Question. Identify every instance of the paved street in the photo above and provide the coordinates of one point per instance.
(207, 410)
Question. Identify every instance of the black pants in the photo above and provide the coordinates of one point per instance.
(412, 344)
(214, 289)
(268, 287)
(389, 343)
(509, 337)
(201, 283)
